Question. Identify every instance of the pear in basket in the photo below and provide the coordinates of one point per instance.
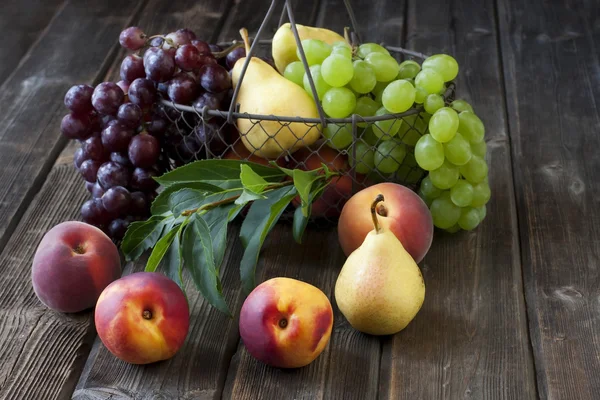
(264, 91)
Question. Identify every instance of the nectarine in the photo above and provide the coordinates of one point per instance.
(286, 323)
(72, 265)
(403, 212)
(142, 318)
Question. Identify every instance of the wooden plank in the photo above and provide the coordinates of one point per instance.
(22, 23)
(349, 366)
(73, 50)
(551, 64)
(470, 339)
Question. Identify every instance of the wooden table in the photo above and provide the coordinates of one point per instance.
(512, 308)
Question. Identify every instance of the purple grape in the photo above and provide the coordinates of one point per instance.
(202, 46)
(116, 137)
(79, 157)
(144, 150)
(132, 68)
(94, 150)
(163, 87)
(130, 115)
(215, 48)
(116, 200)
(182, 36)
(142, 179)
(107, 120)
(149, 51)
(124, 85)
(214, 78)
(92, 212)
(121, 158)
(89, 170)
(132, 38)
(157, 126)
(188, 57)
(76, 126)
(142, 92)
(107, 98)
(233, 56)
(156, 42)
(111, 174)
(79, 99)
(117, 229)
(139, 204)
(89, 186)
(151, 196)
(159, 65)
(188, 149)
(208, 60)
(208, 100)
(182, 88)
(97, 191)
(211, 137)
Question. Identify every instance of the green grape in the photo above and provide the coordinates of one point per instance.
(458, 150)
(453, 229)
(443, 64)
(387, 128)
(445, 176)
(426, 117)
(363, 79)
(345, 51)
(471, 126)
(408, 69)
(320, 85)
(442, 90)
(367, 48)
(429, 153)
(364, 162)
(481, 194)
(339, 102)
(475, 170)
(469, 218)
(443, 124)
(411, 137)
(430, 81)
(433, 102)
(411, 81)
(482, 212)
(315, 51)
(479, 148)
(414, 175)
(421, 95)
(445, 214)
(410, 160)
(369, 137)
(339, 135)
(429, 189)
(426, 199)
(385, 66)
(295, 72)
(341, 43)
(389, 155)
(461, 105)
(461, 193)
(365, 107)
(398, 96)
(337, 70)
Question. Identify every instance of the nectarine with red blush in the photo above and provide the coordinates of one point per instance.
(72, 265)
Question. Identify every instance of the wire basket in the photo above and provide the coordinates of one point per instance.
(207, 134)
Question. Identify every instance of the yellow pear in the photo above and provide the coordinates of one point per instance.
(380, 288)
(284, 43)
(264, 91)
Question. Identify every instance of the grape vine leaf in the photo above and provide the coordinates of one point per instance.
(142, 235)
(160, 204)
(199, 259)
(261, 218)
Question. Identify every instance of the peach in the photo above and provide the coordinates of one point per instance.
(286, 323)
(403, 212)
(142, 318)
(72, 265)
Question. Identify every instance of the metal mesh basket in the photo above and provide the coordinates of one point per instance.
(206, 134)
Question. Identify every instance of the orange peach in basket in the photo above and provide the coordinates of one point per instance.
(142, 318)
(286, 323)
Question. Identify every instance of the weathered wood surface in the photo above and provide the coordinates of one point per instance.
(73, 49)
(552, 75)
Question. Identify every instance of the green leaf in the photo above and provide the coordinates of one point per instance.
(287, 171)
(185, 199)
(199, 260)
(258, 223)
(173, 260)
(160, 205)
(222, 173)
(248, 196)
(328, 172)
(300, 222)
(251, 180)
(217, 220)
(303, 180)
(142, 235)
(159, 250)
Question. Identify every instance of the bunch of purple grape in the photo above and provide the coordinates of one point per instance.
(128, 136)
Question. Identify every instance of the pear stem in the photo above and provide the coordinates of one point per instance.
(377, 200)
(246, 39)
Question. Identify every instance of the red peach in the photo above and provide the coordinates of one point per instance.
(72, 265)
(142, 318)
(403, 213)
(286, 323)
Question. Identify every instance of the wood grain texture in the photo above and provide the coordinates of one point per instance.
(74, 49)
(470, 340)
(551, 67)
(42, 351)
(21, 24)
